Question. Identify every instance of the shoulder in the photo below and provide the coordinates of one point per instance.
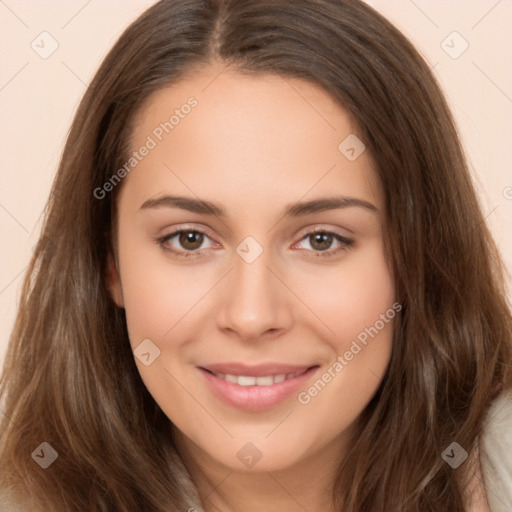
(496, 453)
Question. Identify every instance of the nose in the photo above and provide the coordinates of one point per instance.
(255, 303)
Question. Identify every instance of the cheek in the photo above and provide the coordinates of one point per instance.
(161, 299)
(353, 296)
(158, 293)
(359, 307)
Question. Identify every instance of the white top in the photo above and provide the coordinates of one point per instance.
(496, 454)
(495, 460)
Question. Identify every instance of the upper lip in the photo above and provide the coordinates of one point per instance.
(259, 370)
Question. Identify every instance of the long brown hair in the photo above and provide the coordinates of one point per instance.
(69, 377)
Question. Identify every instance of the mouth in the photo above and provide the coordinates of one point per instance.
(255, 387)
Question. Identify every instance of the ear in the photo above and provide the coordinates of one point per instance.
(114, 281)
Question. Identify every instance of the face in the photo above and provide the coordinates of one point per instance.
(251, 265)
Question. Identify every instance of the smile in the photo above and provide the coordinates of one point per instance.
(257, 387)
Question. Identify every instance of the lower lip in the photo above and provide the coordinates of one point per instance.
(256, 398)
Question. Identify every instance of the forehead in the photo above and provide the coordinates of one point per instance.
(246, 135)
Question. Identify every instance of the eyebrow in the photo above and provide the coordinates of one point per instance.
(292, 210)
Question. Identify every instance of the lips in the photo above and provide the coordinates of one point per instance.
(255, 387)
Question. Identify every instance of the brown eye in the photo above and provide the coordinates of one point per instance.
(191, 240)
(325, 243)
(320, 241)
(185, 242)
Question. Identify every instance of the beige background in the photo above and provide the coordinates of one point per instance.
(38, 98)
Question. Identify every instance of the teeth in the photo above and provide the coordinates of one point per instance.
(267, 380)
(264, 381)
(246, 381)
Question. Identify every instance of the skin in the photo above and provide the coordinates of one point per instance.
(254, 145)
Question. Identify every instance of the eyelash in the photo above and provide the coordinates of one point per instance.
(347, 243)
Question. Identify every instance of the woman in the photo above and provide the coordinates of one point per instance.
(263, 280)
